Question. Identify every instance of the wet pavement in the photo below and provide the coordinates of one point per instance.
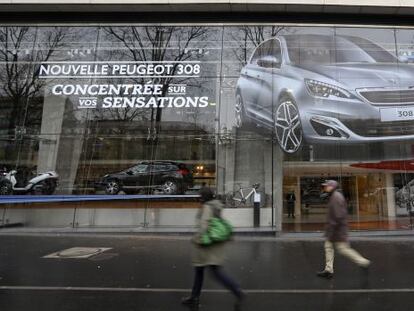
(153, 273)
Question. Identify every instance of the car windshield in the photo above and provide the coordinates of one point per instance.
(305, 49)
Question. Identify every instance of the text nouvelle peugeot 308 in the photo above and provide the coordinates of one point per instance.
(321, 88)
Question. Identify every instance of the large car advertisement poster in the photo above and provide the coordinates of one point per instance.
(321, 88)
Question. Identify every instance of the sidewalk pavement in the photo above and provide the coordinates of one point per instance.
(151, 273)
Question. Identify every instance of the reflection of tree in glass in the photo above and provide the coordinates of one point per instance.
(21, 88)
(248, 37)
(19, 79)
(153, 44)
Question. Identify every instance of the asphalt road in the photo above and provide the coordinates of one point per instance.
(153, 273)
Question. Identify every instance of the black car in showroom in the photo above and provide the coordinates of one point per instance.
(165, 176)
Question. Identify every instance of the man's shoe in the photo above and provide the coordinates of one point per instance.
(325, 274)
(190, 301)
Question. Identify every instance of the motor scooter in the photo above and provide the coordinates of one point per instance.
(42, 183)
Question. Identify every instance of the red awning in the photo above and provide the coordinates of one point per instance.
(395, 165)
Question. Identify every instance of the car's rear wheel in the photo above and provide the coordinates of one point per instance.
(288, 128)
(112, 187)
(170, 187)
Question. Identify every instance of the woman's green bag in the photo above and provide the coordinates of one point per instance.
(219, 230)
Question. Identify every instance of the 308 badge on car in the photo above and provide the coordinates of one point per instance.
(397, 114)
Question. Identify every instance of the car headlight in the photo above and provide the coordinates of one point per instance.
(325, 90)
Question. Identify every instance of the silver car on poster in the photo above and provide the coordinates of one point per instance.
(324, 89)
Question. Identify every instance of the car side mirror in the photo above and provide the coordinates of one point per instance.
(269, 62)
(130, 172)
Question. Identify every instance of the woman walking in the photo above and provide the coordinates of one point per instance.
(212, 256)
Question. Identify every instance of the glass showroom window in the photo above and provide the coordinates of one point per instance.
(260, 113)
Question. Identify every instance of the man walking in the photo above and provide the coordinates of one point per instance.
(337, 231)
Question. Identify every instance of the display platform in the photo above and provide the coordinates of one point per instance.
(100, 201)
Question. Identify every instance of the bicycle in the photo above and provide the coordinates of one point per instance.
(237, 198)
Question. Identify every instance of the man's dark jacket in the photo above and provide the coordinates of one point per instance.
(337, 227)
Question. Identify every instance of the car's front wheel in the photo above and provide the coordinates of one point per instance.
(170, 187)
(112, 187)
(288, 128)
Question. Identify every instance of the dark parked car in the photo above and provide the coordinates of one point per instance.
(165, 176)
(325, 89)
